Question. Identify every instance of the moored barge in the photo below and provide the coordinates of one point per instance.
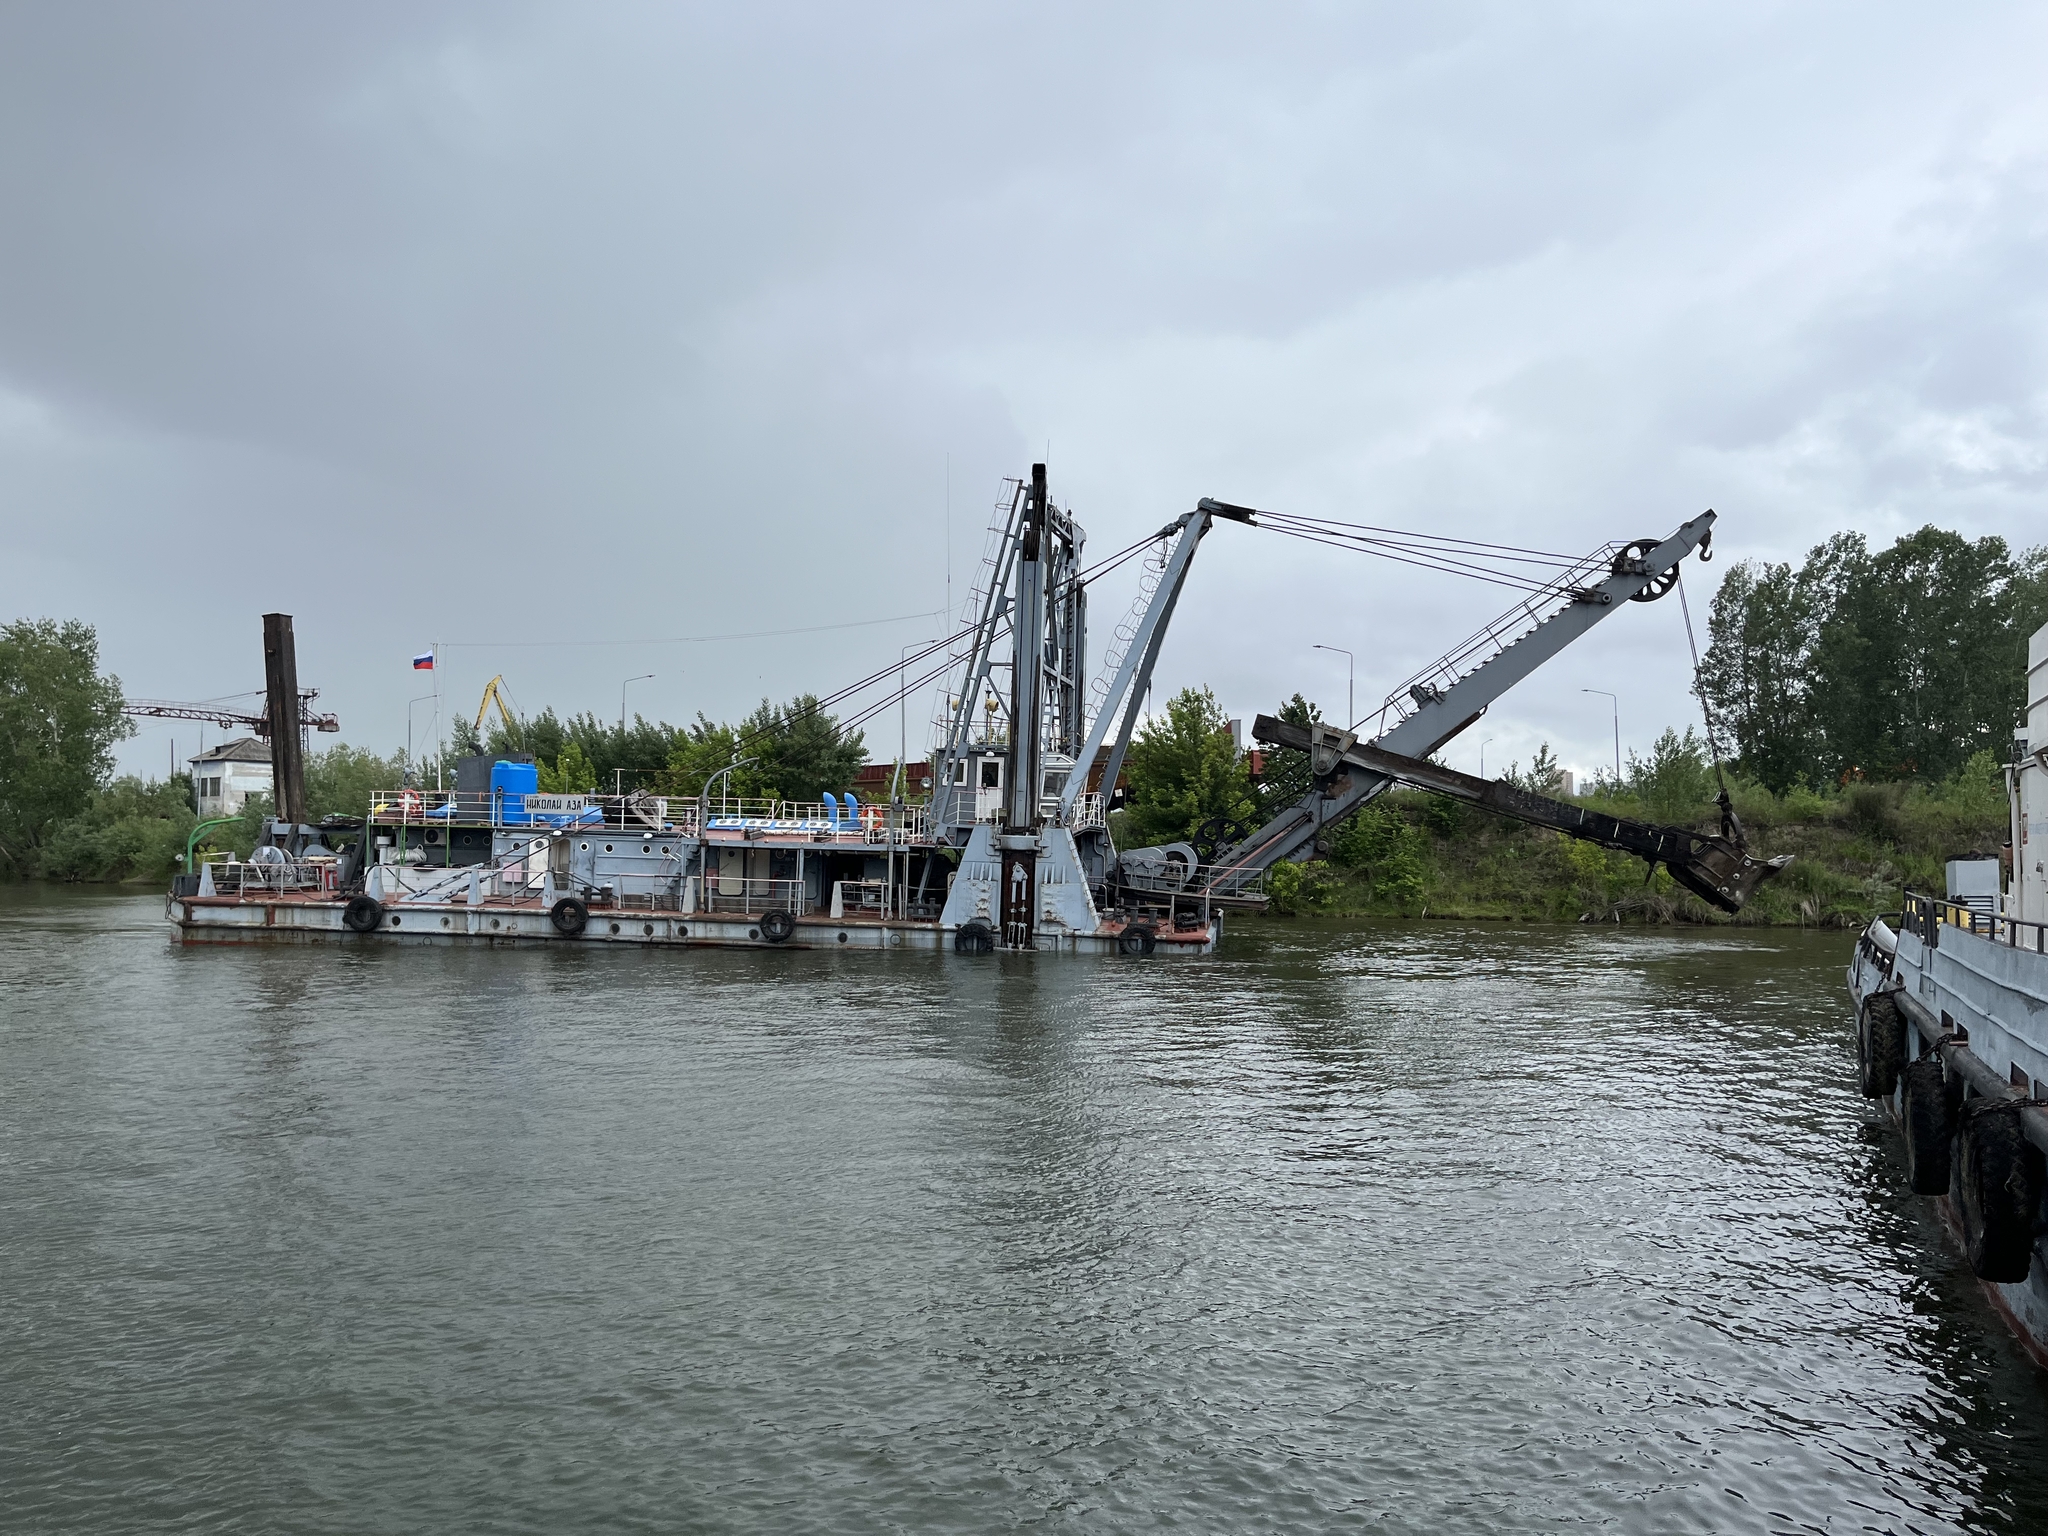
(1951, 1003)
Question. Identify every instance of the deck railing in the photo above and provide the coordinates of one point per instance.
(241, 877)
(1928, 916)
(868, 823)
(719, 893)
(407, 808)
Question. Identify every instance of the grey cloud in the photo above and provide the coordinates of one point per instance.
(413, 318)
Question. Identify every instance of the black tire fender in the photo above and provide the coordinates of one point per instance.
(363, 914)
(1996, 1190)
(1137, 939)
(1880, 1045)
(569, 915)
(777, 926)
(1929, 1115)
(974, 937)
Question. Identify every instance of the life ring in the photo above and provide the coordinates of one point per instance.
(1137, 939)
(569, 915)
(777, 926)
(363, 914)
(1929, 1114)
(409, 803)
(974, 937)
(1880, 1045)
(1998, 1185)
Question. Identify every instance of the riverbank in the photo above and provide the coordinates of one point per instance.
(1407, 854)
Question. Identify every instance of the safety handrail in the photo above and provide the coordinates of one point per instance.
(1926, 917)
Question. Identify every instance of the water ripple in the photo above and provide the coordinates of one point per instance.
(1418, 1227)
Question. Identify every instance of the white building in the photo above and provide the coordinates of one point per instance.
(225, 777)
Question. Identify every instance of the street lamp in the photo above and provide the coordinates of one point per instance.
(1350, 682)
(643, 677)
(704, 795)
(1617, 732)
(422, 699)
(1482, 757)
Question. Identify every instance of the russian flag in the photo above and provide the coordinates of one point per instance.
(424, 663)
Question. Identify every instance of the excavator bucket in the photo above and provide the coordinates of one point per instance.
(1720, 873)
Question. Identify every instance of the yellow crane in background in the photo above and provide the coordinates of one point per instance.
(494, 693)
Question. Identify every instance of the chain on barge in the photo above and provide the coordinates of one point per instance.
(1951, 1000)
(1012, 847)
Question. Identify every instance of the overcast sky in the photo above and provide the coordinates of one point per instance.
(555, 333)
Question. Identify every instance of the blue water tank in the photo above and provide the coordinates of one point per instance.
(511, 783)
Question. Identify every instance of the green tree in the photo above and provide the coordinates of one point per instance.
(802, 750)
(632, 757)
(1754, 675)
(1895, 665)
(340, 780)
(1675, 782)
(59, 720)
(1184, 771)
(794, 752)
(1381, 844)
(129, 829)
(570, 773)
(701, 752)
(1285, 777)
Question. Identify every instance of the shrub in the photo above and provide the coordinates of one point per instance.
(129, 830)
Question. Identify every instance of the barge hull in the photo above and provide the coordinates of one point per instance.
(200, 920)
(1970, 1000)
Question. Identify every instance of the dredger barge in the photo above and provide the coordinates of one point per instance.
(1011, 849)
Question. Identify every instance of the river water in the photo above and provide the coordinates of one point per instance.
(1409, 1227)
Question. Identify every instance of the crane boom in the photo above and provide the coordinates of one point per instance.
(493, 694)
(1452, 692)
(1134, 674)
(227, 719)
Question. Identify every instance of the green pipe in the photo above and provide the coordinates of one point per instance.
(220, 821)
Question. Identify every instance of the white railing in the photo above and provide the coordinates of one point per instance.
(863, 822)
(866, 824)
(860, 898)
(409, 807)
(1088, 811)
(725, 893)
